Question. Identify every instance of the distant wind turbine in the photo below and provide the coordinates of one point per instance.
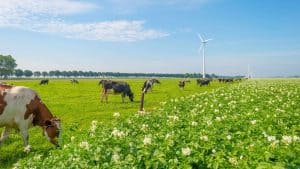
(202, 47)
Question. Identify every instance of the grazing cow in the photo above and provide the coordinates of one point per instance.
(148, 84)
(44, 81)
(74, 81)
(20, 108)
(182, 83)
(227, 80)
(122, 88)
(203, 82)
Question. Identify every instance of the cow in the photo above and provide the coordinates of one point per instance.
(74, 81)
(44, 81)
(118, 87)
(182, 83)
(22, 108)
(203, 82)
(227, 80)
(148, 84)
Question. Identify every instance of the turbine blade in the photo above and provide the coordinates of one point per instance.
(200, 37)
(208, 40)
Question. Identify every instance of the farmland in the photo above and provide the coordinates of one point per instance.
(242, 125)
(78, 105)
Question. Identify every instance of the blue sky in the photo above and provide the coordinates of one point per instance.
(153, 35)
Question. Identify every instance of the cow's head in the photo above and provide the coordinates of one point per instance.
(131, 96)
(52, 130)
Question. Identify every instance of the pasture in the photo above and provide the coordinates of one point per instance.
(79, 104)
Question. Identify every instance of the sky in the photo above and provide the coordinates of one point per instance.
(153, 36)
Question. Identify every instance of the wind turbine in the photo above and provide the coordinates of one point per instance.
(202, 47)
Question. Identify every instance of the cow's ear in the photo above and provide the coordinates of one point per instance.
(48, 123)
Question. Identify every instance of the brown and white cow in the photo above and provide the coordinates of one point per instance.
(21, 108)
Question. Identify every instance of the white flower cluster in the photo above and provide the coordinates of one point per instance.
(93, 126)
(147, 140)
(204, 138)
(186, 151)
(84, 145)
(118, 133)
(173, 118)
(144, 127)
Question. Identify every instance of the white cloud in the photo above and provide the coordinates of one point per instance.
(46, 16)
(105, 31)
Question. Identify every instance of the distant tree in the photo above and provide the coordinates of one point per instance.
(44, 74)
(57, 73)
(7, 65)
(19, 73)
(28, 73)
(75, 73)
(51, 73)
(37, 73)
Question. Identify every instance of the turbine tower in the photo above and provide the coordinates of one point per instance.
(202, 47)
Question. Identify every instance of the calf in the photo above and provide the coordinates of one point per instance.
(44, 81)
(21, 108)
(148, 84)
(118, 87)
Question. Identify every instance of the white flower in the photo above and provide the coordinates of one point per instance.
(218, 118)
(27, 149)
(194, 123)
(144, 127)
(116, 114)
(204, 138)
(186, 151)
(84, 145)
(271, 138)
(233, 161)
(296, 138)
(213, 151)
(94, 122)
(253, 122)
(265, 134)
(115, 157)
(173, 118)
(208, 122)
(147, 140)
(118, 133)
(72, 138)
(256, 109)
(287, 139)
(228, 137)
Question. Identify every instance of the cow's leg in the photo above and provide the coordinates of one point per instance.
(5, 134)
(123, 97)
(106, 95)
(24, 133)
(102, 95)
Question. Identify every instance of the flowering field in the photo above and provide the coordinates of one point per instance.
(254, 124)
(78, 105)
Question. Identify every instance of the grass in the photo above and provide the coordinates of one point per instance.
(78, 105)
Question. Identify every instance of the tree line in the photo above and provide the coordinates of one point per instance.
(8, 70)
(18, 73)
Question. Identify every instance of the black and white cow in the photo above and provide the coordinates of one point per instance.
(148, 85)
(118, 87)
(203, 82)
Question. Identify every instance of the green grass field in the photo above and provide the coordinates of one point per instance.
(78, 105)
